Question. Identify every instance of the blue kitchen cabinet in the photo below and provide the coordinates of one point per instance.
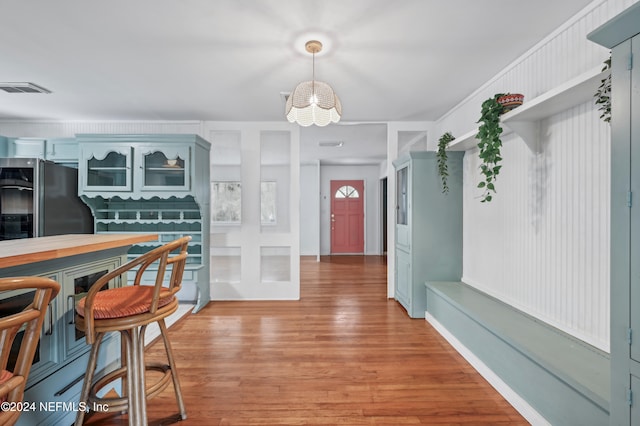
(152, 183)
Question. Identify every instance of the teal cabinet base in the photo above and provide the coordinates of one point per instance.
(55, 401)
(565, 380)
(53, 391)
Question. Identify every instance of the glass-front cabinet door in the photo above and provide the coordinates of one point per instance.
(106, 167)
(164, 169)
(401, 196)
(403, 207)
(76, 284)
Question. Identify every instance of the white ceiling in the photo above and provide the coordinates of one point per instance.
(231, 59)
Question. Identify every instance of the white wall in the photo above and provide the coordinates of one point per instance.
(309, 210)
(542, 244)
(315, 206)
(261, 262)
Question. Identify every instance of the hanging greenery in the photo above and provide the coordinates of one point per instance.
(603, 94)
(489, 145)
(441, 155)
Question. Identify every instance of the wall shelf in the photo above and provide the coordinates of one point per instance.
(464, 142)
(525, 120)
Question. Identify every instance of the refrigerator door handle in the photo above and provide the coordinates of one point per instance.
(22, 188)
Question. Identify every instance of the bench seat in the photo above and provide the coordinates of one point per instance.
(566, 380)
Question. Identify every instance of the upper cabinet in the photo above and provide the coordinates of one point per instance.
(27, 148)
(166, 168)
(4, 146)
(59, 150)
(146, 165)
(105, 167)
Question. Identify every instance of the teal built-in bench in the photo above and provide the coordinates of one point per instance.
(564, 379)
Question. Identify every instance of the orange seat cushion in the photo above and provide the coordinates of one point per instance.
(4, 376)
(123, 302)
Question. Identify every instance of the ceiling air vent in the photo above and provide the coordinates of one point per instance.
(23, 88)
(332, 144)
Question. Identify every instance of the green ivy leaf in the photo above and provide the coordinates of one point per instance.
(489, 144)
(441, 156)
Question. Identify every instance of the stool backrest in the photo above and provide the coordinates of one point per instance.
(29, 321)
(173, 255)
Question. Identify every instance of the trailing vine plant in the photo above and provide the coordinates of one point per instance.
(441, 156)
(603, 94)
(489, 145)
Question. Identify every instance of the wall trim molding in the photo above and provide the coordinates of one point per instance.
(517, 402)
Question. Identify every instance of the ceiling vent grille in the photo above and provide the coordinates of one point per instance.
(332, 144)
(23, 88)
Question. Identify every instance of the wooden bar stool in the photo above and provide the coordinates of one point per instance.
(28, 319)
(129, 310)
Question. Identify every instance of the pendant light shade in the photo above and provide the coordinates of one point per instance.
(313, 102)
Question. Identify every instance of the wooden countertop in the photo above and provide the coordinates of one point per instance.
(31, 250)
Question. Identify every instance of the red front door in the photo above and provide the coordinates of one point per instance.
(347, 216)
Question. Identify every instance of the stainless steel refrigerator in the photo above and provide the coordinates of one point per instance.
(40, 198)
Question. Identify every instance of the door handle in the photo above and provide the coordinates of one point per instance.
(49, 332)
(70, 302)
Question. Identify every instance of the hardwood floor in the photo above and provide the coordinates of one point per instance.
(342, 355)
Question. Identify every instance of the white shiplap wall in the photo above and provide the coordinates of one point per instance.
(542, 244)
(64, 129)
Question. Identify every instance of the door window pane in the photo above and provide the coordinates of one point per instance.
(401, 196)
(347, 192)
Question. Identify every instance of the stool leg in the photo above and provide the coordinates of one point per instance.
(142, 407)
(174, 371)
(133, 384)
(88, 378)
(123, 363)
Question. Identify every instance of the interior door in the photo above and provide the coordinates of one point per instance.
(347, 216)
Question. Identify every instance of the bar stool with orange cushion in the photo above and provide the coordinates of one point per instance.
(30, 319)
(128, 310)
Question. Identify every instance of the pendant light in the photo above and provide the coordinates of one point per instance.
(313, 102)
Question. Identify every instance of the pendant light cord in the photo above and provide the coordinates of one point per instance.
(313, 77)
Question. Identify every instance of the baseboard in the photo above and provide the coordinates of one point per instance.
(153, 330)
(526, 410)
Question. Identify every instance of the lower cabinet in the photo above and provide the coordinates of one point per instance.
(55, 401)
(403, 279)
(55, 381)
(77, 282)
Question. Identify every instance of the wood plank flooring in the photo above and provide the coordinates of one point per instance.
(342, 355)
